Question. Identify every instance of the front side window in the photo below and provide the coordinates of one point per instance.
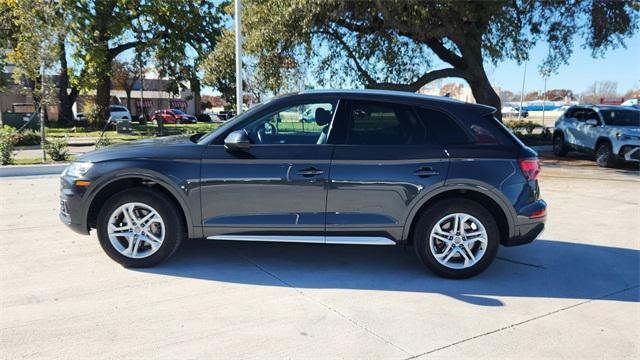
(307, 123)
(375, 123)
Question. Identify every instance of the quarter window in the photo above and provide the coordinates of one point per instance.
(446, 130)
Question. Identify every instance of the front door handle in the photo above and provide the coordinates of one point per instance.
(310, 172)
(426, 172)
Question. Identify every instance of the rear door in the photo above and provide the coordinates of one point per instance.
(383, 163)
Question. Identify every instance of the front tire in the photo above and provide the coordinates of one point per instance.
(604, 155)
(139, 227)
(456, 238)
(559, 147)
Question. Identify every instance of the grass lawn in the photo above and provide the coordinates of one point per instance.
(139, 131)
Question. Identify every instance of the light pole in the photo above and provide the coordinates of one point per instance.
(522, 91)
(238, 57)
(544, 98)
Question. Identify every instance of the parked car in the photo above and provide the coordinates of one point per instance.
(514, 111)
(632, 102)
(381, 168)
(610, 132)
(174, 116)
(116, 113)
(202, 117)
(309, 113)
(225, 115)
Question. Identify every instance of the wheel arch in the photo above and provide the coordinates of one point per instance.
(127, 180)
(498, 207)
(600, 140)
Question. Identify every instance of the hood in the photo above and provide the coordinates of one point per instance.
(164, 147)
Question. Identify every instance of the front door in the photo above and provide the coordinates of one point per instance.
(387, 161)
(278, 188)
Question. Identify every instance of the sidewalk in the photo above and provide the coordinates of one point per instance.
(34, 152)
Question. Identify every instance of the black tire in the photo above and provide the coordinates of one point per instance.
(439, 210)
(171, 217)
(559, 147)
(604, 155)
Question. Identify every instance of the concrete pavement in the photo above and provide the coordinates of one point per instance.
(574, 293)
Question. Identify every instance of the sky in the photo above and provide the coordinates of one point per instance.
(620, 65)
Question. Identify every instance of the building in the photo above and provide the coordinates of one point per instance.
(456, 91)
(155, 96)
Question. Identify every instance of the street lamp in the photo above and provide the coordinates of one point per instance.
(238, 57)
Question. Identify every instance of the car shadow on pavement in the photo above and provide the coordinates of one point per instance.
(543, 269)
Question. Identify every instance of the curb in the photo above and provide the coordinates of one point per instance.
(31, 170)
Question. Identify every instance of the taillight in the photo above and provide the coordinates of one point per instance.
(530, 168)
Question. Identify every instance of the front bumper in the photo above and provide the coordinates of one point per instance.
(630, 153)
(71, 205)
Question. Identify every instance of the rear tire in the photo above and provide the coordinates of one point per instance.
(464, 253)
(559, 147)
(135, 243)
(604, 155)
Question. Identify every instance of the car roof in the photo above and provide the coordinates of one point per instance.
(393, 95)
(603, 107)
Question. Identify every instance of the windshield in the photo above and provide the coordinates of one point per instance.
(179, 112)
(210, 135)
(621, 117)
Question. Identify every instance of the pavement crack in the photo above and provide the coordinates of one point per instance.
(523, 322)
(521, 263)
(326, 306)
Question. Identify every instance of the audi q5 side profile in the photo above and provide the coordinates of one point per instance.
(370, 168)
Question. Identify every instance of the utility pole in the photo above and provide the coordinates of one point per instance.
(238, 57)
(42, 109)
(522, 91)
(544, 98)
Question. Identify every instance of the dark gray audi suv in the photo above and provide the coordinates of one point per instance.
(370, 168)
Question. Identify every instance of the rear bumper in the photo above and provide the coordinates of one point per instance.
(529, 224)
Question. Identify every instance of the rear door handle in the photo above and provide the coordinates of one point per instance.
(426, 172)
(310, 171)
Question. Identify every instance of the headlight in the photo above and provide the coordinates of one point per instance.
(625, 137)
(77, 169)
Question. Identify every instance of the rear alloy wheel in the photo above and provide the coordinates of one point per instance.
(559, 147)
(139, 227)
(456, 238)
(604, 155)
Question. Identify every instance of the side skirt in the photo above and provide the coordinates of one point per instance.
(350, 240)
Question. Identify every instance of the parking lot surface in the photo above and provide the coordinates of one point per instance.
(573, 293)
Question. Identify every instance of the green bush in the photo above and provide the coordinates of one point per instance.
(7, 141)
(27, 138)
(103, 142)
(518, 126)
(57, 149)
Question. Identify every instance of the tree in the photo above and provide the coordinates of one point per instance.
(600, 89)
(124, 76)
(219, 67)
(389, 44)
(104, 29)
(180, 53)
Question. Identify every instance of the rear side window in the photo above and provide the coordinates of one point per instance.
(377, 123)
(445, 129)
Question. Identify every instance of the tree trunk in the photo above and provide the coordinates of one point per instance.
(128, 92)
(483, 91)
(65, 116)
(103, 98)
(195, 88)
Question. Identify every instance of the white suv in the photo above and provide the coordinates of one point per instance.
(611, 132)
(119, 113)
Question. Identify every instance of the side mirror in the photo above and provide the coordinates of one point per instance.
(592, 122)
(237, 141)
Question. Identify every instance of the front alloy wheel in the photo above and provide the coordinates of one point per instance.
(136, 230)
(140, 227)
